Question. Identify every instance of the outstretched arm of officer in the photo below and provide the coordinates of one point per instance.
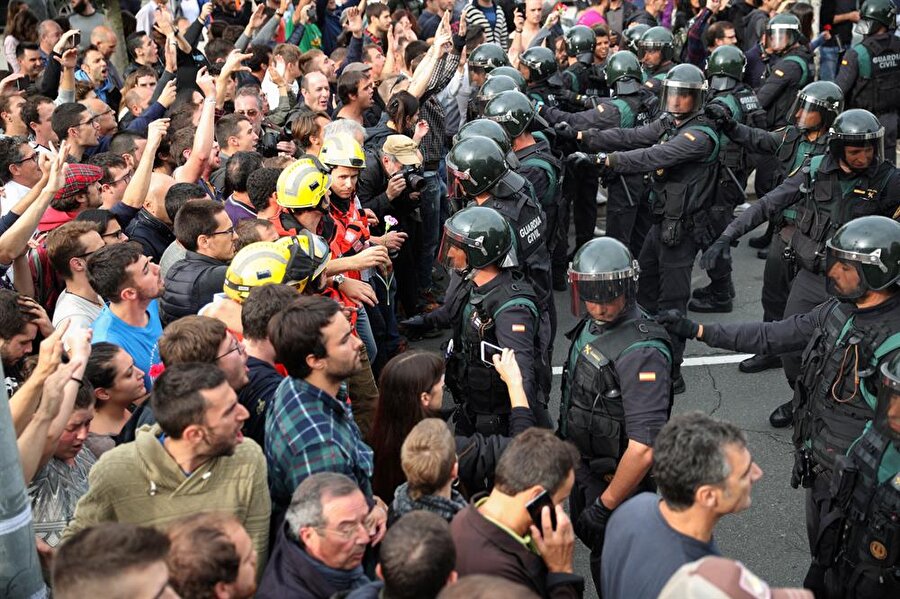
(679, 326)
(607, 140)
(720, 250)
(605, 116)
(721, 115)
(689, 145)
(756, 140)
(768, 206)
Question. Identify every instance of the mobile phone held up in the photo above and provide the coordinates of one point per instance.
(536, 506)
(487, 352)
(75, 40)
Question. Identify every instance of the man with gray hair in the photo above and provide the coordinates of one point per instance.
(704, 471)
(319, 549)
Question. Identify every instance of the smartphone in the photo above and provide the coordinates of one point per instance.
(75, 40)
(21, 84)
(487, 352)
(536, 506)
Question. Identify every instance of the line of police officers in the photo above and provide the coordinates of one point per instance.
(674, 147)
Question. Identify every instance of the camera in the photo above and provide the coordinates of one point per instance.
(268, 141)
(413, 177)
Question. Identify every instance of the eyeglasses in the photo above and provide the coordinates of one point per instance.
(126, 179)
(83, 256)
(229, 231)
(34, 157)
(90, 121)
(118, 233)
(236, 346)
(346, 531)
(250, 114)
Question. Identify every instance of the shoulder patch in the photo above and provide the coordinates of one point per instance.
(779, 72)
(647, 377)
(599, 107)
(690, 136)
(648, 84)
(518, 328)
(843, 62)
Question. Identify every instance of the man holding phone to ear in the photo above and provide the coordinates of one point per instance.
(506, 535)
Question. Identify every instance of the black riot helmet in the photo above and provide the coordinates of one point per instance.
(493, 131)
(856, 128)
(876, 13)
(488, 57)
(822, 98)
(682, 82)
(476, 165)
(540, 63)
(782, 32)
(513, 74)
(623, 73)
(476, 237)
(887, 409)
(492, 87)
(656, 38)
(725, 67)
(632, 35)
(513, 110)
(870, 245)
(602, 271)
(580, 41)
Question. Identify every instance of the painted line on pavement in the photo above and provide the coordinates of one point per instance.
(697, 361)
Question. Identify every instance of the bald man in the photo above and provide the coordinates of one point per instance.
(49, 33)
(106, 41)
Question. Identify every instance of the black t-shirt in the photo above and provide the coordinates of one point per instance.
(264, 380)
(638, 535)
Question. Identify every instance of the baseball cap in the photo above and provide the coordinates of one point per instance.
(78, 177)
(404, 149)
(357, 66)
(721, 578)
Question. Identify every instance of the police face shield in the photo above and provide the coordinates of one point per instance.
(679, 100)
(779, 39)
(858, 154)
(844, 276)
(650, 54)
(866, 26)
(809, 115)
(452, 253)
(887, 410)
(610, 292)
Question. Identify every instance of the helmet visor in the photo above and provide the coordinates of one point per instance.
(680, 101)
(809, 114)
(843, 275)
(601, 288)
(866, 26)
(887, 410)
(454, 249)
(779, 38)
(859, 152)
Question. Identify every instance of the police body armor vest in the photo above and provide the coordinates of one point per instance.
(594, 415)
(542, 93)
(837, 353)
(878, 80)
(777, 113)
(869, 555)
(794, 149)
(476, 387)
(534, 156)
(684, 195)
(827, 203)
(636, 110)
(575, 78)
(596, 81)
(741, 100)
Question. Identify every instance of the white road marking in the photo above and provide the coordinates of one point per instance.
(697, 361)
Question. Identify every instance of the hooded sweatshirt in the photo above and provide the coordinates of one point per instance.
(141, 484)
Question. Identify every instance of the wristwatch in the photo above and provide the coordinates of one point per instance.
(337, 280)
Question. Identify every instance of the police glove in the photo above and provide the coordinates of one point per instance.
(719, 250)
(584, 159)
(571, 97)
(565, 132)
(676, 324)
(720, 115)
(417, 324)
(591, 524)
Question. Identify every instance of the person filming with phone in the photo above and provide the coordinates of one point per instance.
(520, 531)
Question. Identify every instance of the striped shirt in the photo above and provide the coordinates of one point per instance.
(499, 34)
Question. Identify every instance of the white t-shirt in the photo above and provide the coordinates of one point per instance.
(14, 193)
(79, 311)
(271, 91)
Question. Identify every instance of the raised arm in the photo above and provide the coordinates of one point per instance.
(196, 163)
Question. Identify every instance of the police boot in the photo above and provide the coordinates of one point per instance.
(702, 293)
(783, 416)
(715, 302)
(678, 384)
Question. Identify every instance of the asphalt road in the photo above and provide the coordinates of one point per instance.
(770, 536)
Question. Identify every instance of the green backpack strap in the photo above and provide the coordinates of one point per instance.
(863, 61)
(521, 301)
(804, 68)
(550, 194)
(713, 136)
(887, 346)
(626, 116)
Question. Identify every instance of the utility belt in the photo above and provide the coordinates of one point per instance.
(801, 251)
(806, 469)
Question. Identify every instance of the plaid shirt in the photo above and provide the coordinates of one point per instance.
(309, 431)
(433, 145)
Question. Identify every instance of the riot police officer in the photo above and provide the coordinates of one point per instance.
(730, 96)
(844, 341)
(866, 495)
(632, 105)
(869, 73)
(495, 307)
(511, 72)
(815, 109)
(631, 36)
(685, 202)
(482, 127)
(580, 42)
(492, 87)
(655, 49)
(616, 388)
(480, 63)
(538, 65)
(792, 70)
(850, 181)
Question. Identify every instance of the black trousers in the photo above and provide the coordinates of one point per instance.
(666, 279)
(777, 278)
(628, 217)
(584, 193)
(807, 292)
